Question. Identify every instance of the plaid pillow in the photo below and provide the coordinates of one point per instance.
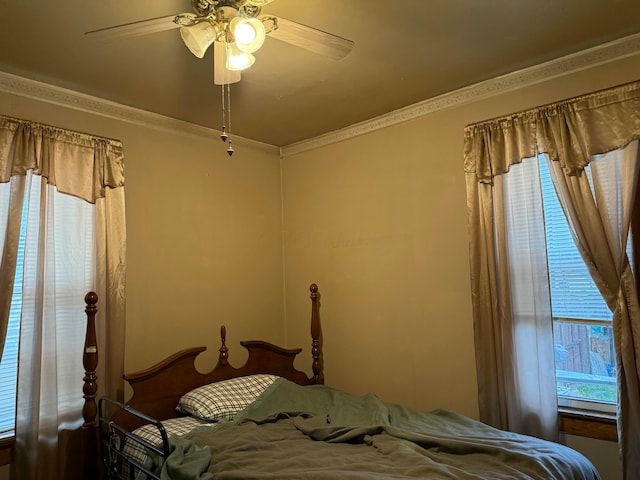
(222, 400)
(150, 433)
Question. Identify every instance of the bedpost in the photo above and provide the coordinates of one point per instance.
(316, 335)
(89, 389)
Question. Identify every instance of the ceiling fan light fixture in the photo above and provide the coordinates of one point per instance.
(248, 33)
(238, 60)
(221, 74)
(199, 37)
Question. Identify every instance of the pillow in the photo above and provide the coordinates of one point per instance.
(222, 400)
(137, 452)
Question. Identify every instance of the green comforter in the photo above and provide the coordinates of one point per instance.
(316, 432)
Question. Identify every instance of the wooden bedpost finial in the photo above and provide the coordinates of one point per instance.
(91, 465)
(316, 336)
(90, 362)
(91, 299)
(223, 358)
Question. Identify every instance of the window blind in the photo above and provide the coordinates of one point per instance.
(573, 293)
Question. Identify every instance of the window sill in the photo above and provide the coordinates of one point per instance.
(6, 450)
(588, 424)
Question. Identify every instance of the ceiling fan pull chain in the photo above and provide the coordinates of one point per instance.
(226, 111)
(229, 106)
(230, 147)
(224, 135)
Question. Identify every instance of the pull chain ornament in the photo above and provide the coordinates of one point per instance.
(226, 116)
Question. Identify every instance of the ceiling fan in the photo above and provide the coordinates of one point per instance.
(236, 29)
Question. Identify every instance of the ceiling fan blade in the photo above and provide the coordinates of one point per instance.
(134, 29)
(311, 39)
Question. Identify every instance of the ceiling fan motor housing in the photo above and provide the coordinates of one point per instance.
(226, 9)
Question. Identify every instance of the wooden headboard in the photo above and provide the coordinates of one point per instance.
(157, 389)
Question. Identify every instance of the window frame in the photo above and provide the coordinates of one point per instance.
(590, 424)
(586, 313)
(587, 423)
(6, 450)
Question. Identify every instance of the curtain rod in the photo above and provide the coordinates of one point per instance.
(66, 130)
(558, 102)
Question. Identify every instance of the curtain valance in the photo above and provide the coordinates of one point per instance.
(65, 158)
(570, 132)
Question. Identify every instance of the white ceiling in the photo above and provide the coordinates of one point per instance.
(405, 51)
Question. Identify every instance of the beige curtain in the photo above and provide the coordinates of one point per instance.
(600, 130)
(66, 191)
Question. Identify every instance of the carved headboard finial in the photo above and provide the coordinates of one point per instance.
(223, 359)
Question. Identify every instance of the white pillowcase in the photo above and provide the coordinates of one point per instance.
(150, 433)
(222, 400)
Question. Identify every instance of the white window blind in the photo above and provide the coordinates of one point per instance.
(9, 369)
(573, 292)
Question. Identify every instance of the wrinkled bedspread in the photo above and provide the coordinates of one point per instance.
(316, 432)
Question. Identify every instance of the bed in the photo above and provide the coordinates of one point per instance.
(267, 420)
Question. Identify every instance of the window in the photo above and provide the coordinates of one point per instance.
(72, 242)
(583, 336)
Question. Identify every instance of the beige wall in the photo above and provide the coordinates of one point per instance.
(204, 241)
(380, 223)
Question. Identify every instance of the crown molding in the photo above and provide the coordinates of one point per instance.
(44, 92)
(602, 54)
